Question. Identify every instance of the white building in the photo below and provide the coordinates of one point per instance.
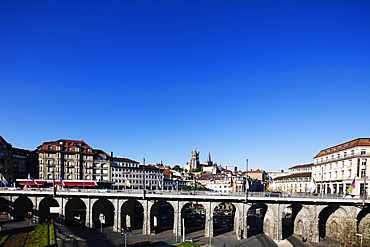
(131, 171)
(335, 168)
(306, 168)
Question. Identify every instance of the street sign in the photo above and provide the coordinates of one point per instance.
(102, 218)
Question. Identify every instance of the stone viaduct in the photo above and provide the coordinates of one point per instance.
(278, 217)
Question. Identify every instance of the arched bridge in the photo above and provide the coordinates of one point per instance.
(277, 215)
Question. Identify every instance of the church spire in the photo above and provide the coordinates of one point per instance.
(209, 160)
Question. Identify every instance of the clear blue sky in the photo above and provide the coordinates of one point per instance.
(271, 81)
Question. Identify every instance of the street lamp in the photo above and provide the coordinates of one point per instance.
(360, 235)
(125, 231)
(246, 180)
(210, 228)
(144, 178)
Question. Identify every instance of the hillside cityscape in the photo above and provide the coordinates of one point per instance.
(74, 163)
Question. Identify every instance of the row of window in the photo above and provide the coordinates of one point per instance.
(149, 182)
(124, 165)
(339, 155)
(75, 149)
(338, 165)
(76, 176)
(119, 175)
(69, 156)
(336, 174)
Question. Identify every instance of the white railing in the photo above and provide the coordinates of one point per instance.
(183, 193)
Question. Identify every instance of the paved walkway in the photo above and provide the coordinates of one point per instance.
(84, 237)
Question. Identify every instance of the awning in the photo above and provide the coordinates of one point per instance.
(32, 183)
(75, 184)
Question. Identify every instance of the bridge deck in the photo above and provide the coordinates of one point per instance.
(195, 195)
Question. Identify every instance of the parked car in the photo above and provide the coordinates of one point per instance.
(274, 194)
(104, 190)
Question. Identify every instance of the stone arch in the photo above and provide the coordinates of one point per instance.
(302, 223)
(288, 216)
(132, 214)
(340, 222)
(44, 209)
(75, 212)
(363, 221)
(4, 206)
(269, 224)
(23, 208)
(194, 215)
(223, 218)
(299, 228)
(161, 216)
(255, 218)
(324, 216)
(105, 207)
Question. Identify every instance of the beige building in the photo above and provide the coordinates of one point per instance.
(73, 160)
(335, 168)
(293, 183)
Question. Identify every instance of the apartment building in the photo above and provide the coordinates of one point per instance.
(12, 161)
(71, 159)
(335, 168)
(126, 170)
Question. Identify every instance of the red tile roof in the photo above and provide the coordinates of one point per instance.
(301, 166)
(344, 146)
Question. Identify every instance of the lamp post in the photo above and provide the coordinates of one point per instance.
(365, 192)
(246, 180)
(210, 229)
(361, 236)
(144, 178)
(54, 188)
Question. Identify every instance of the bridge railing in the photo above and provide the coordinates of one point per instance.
(185, 192)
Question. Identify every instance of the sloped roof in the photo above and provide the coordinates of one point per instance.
(296, 175)
(344, 146)
(301, 166)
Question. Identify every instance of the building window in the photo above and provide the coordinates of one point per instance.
(364, 162)
(363, 152)
(362, 172)
(345, 154)
(352, 152)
